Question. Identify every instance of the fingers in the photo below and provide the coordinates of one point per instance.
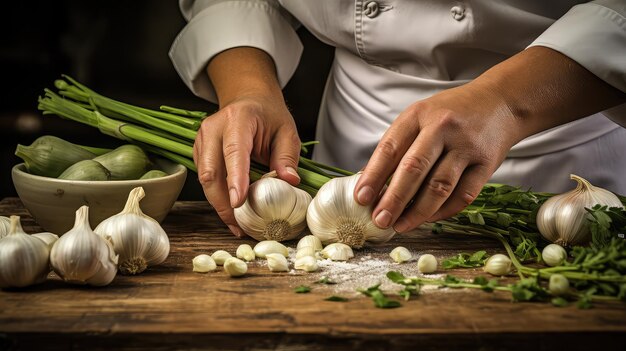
(211, 174)
(285, 154)
(237, 145)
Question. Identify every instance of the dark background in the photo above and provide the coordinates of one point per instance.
(118, 48)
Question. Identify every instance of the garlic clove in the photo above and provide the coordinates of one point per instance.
(270, 246)
(306, 263)
(498, 264)
(203, 264)
(5, 226)
(305, 251)
(235, 267)
(277, 262)
(47, 238)
(553, 255)
(310, 241)
(427, 263)
(245, 252)
(220, 256)
(338, 252)
(400, 254)
(23, 258)
(558, 285)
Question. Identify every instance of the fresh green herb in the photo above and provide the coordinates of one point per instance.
(302, 289)
(379, 298)
(487, 285)
(559, 302)
(325, 280)
(528, 289)
(605, 224)
(336, 298)
(466, 260)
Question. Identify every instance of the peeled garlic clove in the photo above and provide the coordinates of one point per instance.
(338, 252)
(427, 263)
(80, 256)
(139, 240)
(277, 262)
(498, 264)
(23, 258)
(306, 263)
(274, 210)
(47, 238)
(334, 215)
(553, 255)
(235, 267)
(562, 219)
(558, 285)
(270, 246)
(220, 256)
(305, 251)
(245, 252)
(5, 225)
(400, 254)
(203, 264)
(310, 241)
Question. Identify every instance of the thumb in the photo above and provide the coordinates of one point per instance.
(285, 154)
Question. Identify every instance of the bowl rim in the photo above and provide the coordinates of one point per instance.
(180, 170)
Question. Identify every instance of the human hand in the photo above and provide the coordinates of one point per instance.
(254, 126)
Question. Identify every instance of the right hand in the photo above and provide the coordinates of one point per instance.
(254, 125)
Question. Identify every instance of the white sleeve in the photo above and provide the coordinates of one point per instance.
(594, 35)
(218, 25)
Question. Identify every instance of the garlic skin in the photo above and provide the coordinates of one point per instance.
(562, 219)
(245, 252)
(310, 241)
(5, 226)
(305, 251)
(334, 216)
(80, 256)
(498, 264)
(220, 256)
(270, 246)
(427, 263)
(306, 263)
(337, 252)
(400, 254)
(277, 262)
(23, 258)
(235, 267)
(558, 285)
(203, 264)
(138, 239)
(553, 255)
(274, 210)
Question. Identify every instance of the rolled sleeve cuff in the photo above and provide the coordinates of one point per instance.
(228, 25)
(592, 35)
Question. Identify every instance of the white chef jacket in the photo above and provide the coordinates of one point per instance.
(392, 53)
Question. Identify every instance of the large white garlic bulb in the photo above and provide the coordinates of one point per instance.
(23, 258)
(5, 226)
(80, 256)
(274, 210)
(138, 239)
(334, 216)
(562, 219)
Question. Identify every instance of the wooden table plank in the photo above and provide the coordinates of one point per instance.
(170, 307)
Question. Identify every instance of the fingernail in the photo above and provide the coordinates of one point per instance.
(383, 219)
(292, 171)
(401, 226)
(365, 195)
(238, 233)
(234, 197)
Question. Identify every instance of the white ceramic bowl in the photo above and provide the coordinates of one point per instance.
(53, 202)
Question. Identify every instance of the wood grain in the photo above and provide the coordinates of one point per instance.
(170, 307)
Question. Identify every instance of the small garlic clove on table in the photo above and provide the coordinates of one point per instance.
(306, 263)
(309, 241)
(203, 264)
(235, 267)
(245, 252)
(220, 256)
(338, 252)
(305, 251)
(270, 246)
(427, 263)
(400, 254)
(498, 264)
(277, 262)
(553, 255)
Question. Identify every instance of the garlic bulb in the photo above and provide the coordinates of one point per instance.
(277, 262)
(138, 239)
(23, 258)
(81, 256)
(270, 246)
(562, 219)
(338, 252)
(245, 252)
(48, 238)
(400, 254)
(558, 285)
(274, 210)
(306, 263)
(235, 267)
(334, 216)
(305, 251)
(498, 264)
(220, 256)
(310, 241)
(5, 225)
(427, 263)
(553, 255)
(203, 264)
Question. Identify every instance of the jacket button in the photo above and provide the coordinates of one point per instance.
(371, 9)
(458, 12)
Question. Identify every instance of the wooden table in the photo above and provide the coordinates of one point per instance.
(170, 307)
